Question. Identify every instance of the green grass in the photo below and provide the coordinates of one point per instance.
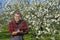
(4, 35)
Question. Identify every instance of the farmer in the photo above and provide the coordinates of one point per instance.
(17, 27)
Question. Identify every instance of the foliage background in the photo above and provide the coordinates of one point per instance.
(43, 19)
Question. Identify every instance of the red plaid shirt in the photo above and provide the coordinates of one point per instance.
(13, 25)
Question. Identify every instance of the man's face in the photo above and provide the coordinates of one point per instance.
(16, 17)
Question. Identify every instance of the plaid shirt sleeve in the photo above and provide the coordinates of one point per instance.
(11, 28)
(25, 27)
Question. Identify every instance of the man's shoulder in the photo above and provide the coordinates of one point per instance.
(11, 21)
(23, 21)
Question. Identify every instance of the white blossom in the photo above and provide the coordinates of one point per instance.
(36, 28)
(48, 29)
(27, 16)
(52, 38)
(11, 12)
(39, 32)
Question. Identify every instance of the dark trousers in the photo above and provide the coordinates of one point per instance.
(17, 37)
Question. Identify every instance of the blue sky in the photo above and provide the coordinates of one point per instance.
(2, 3)
(36, 0)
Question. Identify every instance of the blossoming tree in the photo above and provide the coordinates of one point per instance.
(43, 18)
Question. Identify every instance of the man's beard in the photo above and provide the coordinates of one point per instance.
(17, 20)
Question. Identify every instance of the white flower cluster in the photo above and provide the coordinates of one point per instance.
(43, 17)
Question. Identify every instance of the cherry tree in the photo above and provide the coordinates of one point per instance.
(43, 18)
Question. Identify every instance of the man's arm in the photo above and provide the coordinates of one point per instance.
(11, 29)
(15, 32)
(25, 27)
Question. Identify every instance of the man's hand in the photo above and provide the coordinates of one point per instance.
(14, 33)
(19, 31)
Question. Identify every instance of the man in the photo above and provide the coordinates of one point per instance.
(17, 27)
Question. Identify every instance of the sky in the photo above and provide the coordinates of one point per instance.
(2, 3)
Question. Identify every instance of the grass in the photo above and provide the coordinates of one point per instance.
(4, 35)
